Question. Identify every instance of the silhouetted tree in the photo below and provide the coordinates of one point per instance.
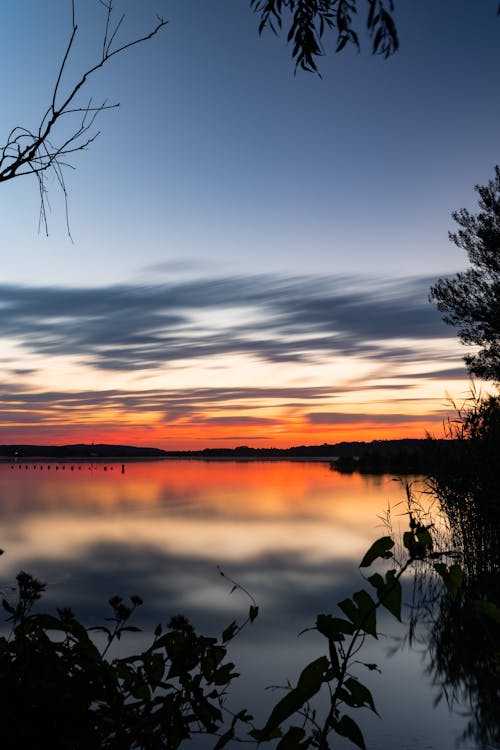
(471, 299)
(309, 20)
(67, 125)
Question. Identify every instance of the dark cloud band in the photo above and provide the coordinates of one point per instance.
(273, 318)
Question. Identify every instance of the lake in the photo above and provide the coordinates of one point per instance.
(292, 533)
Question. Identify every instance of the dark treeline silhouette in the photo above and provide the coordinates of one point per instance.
(78, 451)
(406, 456)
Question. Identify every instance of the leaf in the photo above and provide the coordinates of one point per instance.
(349, 608)
(224, 674)
(342, 43)
(292, 740)
(380, 548)
(388, 592)
(424, 536)
(371, 667)
(360, 694)
(308, 685)
(409, 541)
(347, 727)
(229, 632)
(140, 690)
(48, 622)
(334, 627)
(376, 581)
(452, 577)
(368, 616)
(392, 594)
(361, 612)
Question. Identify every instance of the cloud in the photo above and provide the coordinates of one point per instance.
(341, 418)
(175, 404)
(274, 318)
(239, 420)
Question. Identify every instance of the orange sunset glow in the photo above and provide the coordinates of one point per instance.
(282, 430)
(246, 402)
(190, 506)
(205, 299)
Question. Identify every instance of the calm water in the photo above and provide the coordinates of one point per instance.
(292, 533)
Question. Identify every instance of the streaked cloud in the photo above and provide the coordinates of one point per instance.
(175, 363)
(275, 319)
(342, 418)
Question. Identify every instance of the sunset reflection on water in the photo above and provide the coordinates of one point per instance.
(218, 510)
(291, 532)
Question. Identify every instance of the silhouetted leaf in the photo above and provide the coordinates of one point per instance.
(367, 612)
(392, 594)
(371, 667)
(349, 608)
(334, 627)
(452, 577)
(292, 740)
(308, 685)
(361, 612)
(409, 541)
(388, 591)
(229, 632)
(424, 536)
(360, 694)
(48, 622)
(342, 43)
(380, 548)
(224, 674)
(347, 727)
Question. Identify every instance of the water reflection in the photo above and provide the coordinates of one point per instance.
(464, 642)
(223, 512)
(292, 533)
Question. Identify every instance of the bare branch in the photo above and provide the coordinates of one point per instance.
(34, 152)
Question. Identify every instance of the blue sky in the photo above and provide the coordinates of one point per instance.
(222, 170)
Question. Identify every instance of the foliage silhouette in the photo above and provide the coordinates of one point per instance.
(309, 20)
(59, 690)
(76, 696)
(470, 300)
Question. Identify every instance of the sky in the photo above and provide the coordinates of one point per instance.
(251, 250)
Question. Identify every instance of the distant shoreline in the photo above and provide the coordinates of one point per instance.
(98, 451)
(404, 456)
(153, 459)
